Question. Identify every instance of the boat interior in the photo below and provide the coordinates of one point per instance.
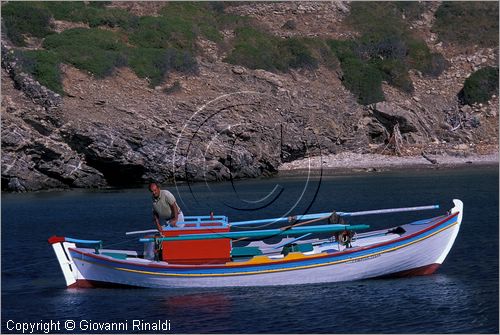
(287, 248)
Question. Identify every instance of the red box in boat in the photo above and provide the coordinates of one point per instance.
(212, 251)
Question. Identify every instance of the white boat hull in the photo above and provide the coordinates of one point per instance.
(414, 255)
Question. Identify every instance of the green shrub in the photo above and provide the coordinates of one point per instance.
(321, 52)
(43, 66)
(360, 77)
(421, 58)
(364, 69)
(99, 4)
(385, 34)
(363, 80)
(376, 19)
(412, 10)
(94, 14)
(100, 52)
(19, 18)
(112, 17)
(94, 37)
(95, 50)
(395, 72)
(344, 50)
(480, 86)
(205, 19)
(147, 63)
(183, 9)
(217, 6)
(73, 11)
(386, 49)
(163, 44)
(33, 18)
(231, 22)
(298, 54)
(201, 17)
(468, 22)
(256, 49)
(388, 55)
(154, 64)
(159, 32)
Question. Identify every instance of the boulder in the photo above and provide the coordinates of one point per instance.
(269, 77)
(389, 114)
(238, 70)
(375, 130)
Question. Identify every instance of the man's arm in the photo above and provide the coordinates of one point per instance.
(156, 220)
(175, 212)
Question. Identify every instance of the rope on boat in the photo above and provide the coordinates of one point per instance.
(290, 226)
(254, 227)
(26, 265)
(304, 223)
(51, 260)
(118, 243)
(290, 219)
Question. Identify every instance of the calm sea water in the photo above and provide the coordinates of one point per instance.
(462, 297)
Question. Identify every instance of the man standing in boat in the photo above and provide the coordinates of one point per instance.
(165, 207)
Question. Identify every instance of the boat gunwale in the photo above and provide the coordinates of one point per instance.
(276, 262)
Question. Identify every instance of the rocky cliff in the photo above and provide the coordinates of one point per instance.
(228, 121)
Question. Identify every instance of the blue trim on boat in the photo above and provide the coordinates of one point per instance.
(425, 221)
(75, 240)
(199, 222)
(292, 241)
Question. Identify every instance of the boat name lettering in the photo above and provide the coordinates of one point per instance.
(363, 259)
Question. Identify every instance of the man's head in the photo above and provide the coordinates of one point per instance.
(154, 189)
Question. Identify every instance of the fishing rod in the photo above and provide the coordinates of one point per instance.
(326, 215)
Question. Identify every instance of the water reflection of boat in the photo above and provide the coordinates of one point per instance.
(202, 254)
(211, 303)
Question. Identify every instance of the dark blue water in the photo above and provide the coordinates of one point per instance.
(462, 297)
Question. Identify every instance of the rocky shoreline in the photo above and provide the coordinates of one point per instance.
(347, 162)
(232, 122)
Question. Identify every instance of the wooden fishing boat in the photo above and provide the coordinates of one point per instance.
(203, 253)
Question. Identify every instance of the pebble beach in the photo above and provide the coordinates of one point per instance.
(348, 162)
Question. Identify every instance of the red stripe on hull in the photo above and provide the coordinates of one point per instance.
(420, 271)
(84, 283)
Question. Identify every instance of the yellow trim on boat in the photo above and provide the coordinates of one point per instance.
(262, 259)
(295, 255)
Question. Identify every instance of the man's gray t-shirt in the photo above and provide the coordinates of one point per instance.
(162, 205)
